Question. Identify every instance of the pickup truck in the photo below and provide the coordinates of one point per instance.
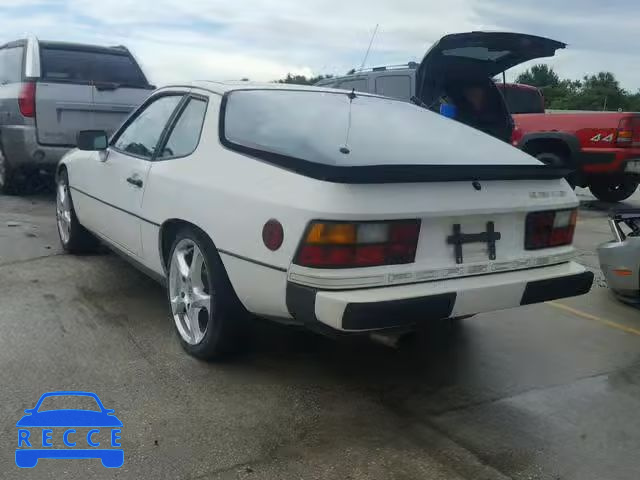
(603, 148)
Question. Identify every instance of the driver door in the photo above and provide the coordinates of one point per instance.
(120, 173)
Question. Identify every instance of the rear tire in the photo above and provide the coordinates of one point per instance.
(206, 311)
(613, 189)
(73, 236)
(11, 180)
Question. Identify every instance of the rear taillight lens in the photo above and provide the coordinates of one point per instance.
(550, 229)
(358, 244)
(27, 99)
(629, 131)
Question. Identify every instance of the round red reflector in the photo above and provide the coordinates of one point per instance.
(272, 234)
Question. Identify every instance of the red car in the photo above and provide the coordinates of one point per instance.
(603, 148)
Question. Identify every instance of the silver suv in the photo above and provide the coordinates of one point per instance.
(51, 90)
(396, 81)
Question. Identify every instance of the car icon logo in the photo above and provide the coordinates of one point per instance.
(69, 433)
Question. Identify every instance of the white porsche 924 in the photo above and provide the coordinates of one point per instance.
(337, 210)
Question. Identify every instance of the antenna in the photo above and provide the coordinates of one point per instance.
(366, 55)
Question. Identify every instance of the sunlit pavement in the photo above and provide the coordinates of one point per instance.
(542, 392)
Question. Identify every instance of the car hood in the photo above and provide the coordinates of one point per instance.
(69, 418)
(464, 55)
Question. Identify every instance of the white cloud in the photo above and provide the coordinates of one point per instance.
(177, 40)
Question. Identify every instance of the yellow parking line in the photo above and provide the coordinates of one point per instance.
(588, 316)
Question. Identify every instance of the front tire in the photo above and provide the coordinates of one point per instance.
(614, 189)
(73, 236)
(206, 312)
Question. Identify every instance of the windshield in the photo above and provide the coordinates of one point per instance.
(83, 66)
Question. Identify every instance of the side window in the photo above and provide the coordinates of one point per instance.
(11, 65)
(185, 135)
(327, 83)
(79, 66)
(141, 136)
(360, 85)
(394, 86)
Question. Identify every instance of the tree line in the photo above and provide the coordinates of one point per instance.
(601, 91)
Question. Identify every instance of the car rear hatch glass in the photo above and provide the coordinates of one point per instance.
(85, 88)
(361, 138)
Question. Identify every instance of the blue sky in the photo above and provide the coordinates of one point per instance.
(178, 40)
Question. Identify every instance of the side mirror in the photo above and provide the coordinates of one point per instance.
(92, 140)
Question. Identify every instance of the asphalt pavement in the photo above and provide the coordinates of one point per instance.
(547, 391)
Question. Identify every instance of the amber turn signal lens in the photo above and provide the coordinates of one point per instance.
(623, 272)
(332, 233)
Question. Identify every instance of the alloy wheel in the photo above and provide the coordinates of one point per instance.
(63, 211)
(189, 294)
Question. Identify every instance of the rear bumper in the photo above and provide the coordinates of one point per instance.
(400, 306)
(609, 160)
(22, 150)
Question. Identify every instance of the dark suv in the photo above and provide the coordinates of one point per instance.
(51, 90)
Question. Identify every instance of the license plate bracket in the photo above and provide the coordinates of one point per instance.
(458, 239)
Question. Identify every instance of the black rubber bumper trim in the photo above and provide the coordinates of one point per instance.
(554, 288)
(595, 158)
(301, 302)
(398, 313)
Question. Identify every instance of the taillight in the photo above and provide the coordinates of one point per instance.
(27, 99)
(552, 228)
(358, 244)
(629, 131)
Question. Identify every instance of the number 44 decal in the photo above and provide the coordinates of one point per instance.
(600, 138)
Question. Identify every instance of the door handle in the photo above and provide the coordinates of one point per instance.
(135, 181)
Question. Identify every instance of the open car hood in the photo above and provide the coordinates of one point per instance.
(474, 54)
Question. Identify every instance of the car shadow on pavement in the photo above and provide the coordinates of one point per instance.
(600, 206)
(426, 360)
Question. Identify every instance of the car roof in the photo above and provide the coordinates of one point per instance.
(222, 87)
(116, 49)
(378, 71)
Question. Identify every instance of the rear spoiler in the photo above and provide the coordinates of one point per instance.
(377, 174)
